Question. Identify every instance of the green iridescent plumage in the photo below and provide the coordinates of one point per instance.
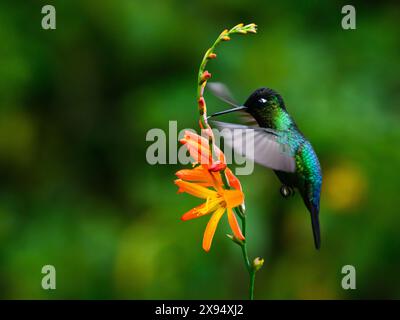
(278, 144)
(268, 109)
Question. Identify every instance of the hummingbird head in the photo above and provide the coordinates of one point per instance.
(263, 100)
(260, 105)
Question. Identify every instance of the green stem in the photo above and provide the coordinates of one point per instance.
(252, 280)
(201, 83)
(249, 266)
(243, 29)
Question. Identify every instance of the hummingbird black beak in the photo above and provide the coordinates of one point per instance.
(228, 111)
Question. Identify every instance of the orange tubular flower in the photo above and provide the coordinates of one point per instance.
(199, 150)
(205, 183)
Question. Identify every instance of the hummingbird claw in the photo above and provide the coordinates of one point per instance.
(285, 191)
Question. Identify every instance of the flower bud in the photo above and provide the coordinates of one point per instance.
(258, 263)
(252, 28)
(212, 56)
(235, 240)
(201, 103)
(242, 210)
(205, 76)
(223, 33)
(217, 166)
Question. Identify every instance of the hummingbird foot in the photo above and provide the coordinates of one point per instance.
(286, 191)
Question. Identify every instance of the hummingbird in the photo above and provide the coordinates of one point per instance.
(278, 144)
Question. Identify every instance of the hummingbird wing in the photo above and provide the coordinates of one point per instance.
(222, 92)
(267, 147)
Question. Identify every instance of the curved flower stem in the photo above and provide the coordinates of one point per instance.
(204, 75)
(202, 78)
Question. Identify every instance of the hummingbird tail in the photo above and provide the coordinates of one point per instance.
(315, 226)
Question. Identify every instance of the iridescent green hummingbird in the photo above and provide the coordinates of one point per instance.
(278, 144)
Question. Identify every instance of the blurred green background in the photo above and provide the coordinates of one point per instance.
(76, 191)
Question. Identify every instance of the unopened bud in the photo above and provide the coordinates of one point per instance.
(201, 102)
(252, 28)
(258, 263)
(223, 33)
(242, 210)
(235, 240)
(217, 166)
(205, 76)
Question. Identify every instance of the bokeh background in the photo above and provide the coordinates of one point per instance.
(76, 191)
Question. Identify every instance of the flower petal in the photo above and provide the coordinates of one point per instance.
(195, 189)
(211, 205)
(199, 174)
(233, 198)
(216, 181)
(195, 174)
(233, 223)
(193, 213)
(211, 227)
(233, 180)
(217, 166)
(199, 148)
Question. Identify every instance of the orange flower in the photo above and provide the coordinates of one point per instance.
(205, 182)
(199, 149)
(217, 202)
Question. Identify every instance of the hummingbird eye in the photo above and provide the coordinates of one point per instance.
(262, 100)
